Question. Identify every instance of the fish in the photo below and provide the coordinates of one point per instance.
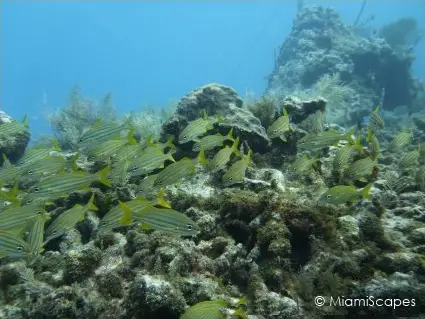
(36, 154)
(210, 142)
(303, 165)
(401, 140)
(152, 146)
(212, 309)
(49, 166)
(174, 172)
(376, 121)
(342, 194)
(13, 127)
(119, 174)
(420, 178)
(279, 127)
(165, 220)
(236, 172)
(12, 246)
(60, 185)
(36, 234)
(112, 219)
(223, 156)
(361, 169)
(128, 152)
(343, 157)
(373, 145)
(111, 147)
(196, 128)
(101, 132)
(324, 139)
(410, 158)
(9, 172)
(17, 219)
(67, 220)
(147, 184)
(149, 161)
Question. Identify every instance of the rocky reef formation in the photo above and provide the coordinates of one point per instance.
(14, 141)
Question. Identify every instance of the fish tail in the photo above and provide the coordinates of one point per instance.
(235, 147)
(365, 192)
(149, 141)
(126, 218)
(130, 137)
(161, 199)
(239, 312)
(170, 156)
(230, 135)
(90, 204)
(103, 176)
(201, 157)
(74, 165)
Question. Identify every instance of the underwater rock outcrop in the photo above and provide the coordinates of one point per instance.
(320, 43)
(14, 139)
(222, 101)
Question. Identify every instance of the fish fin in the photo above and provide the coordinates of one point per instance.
(149, 141)
(91, 205)
(285, 112)
(126, 218)
(25, 121)
(248, 157)
(144, 226)
(74, 159)
(361, 179)
(235, 147)
(55, 145)
(130, 136)
(201, 157)
(283, 138)
(103, 176)
(230, 135)
(161, 199)
(239, 312)
(204, 114)
(170, 156)
(365, 192)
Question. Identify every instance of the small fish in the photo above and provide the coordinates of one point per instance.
(420, 178)
(223, 156)
(236, 172)
(68, 219)
(46, 167)
(196, 128)
(9, 173)
(361, 169)
(174, 172)
(119, 174)
(147, 184)
(279, 127)
(212, 141)
(111, 147)
(13, 127)
(162, 219)
(37, 154)
(12, 246)
(206, 310)
(343, 157)
(376, 121)
(313, 123)
(148, 161)
(342, 194)
(325, 139)
(303, 165)
(151, 146)
(401, 140)
(17, 219)
(373, 145)
(410, 158)
(100, 133)
(36, 233)
(62, 184)
(128, 152)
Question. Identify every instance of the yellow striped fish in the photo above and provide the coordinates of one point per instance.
(12, 246)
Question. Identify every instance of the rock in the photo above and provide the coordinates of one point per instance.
(12, 145)
(402, 261)
(218, 99)
(298, 109)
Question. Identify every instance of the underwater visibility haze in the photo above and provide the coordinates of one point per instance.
(204, 160)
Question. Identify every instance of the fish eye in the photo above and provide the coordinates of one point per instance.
(19, 248)
(80, 140)
(302, 142)
(30, 172)
(328, 196)
(189, 227)
(39, 212)
(351, 174)
(54, 231)
(230, 178)
(36, 189)
(274, 131)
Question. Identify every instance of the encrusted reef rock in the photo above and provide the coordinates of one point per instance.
(320, 43)
(12, 145)
(299, 110)
(217, 99)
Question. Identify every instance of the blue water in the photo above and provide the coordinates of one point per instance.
(149, 52)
